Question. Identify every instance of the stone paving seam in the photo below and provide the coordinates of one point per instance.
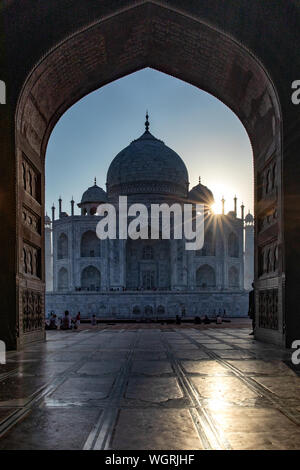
(36, 398)
(210, 436)
(100, 438)
(251, 383)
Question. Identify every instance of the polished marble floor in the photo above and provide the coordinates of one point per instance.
(149, 388)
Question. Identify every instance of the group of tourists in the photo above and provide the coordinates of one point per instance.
(66, 322)
(206, 321)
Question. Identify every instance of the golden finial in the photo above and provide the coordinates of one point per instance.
(147, 124)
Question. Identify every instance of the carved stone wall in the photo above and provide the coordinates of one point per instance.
(31, 179)
(132, 304)
(32, 311)
(31, 260)
(268, 309)
(269, 282)
(31, 220)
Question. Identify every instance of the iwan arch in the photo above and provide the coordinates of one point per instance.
(234, 50)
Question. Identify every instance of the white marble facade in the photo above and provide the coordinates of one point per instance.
(147, 278)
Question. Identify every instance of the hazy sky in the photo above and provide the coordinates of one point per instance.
(202, 130)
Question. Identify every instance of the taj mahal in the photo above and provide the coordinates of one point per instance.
(153, 278)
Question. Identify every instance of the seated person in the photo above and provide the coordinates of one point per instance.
(53, 323)
(66, 321)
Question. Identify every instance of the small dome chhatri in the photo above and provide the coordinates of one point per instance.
(47, 219)
(94, 194)
(249, 219)
(147, 165)
(201, 194)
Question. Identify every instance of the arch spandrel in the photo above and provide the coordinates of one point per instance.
(105, 52)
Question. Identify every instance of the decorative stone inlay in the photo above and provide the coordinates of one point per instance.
(147, 187)
(31, 179)
(32, 310)
(31, 220)
(267, 219)
(31, 260)
(268, 309)
(267, 179)
(268, 259)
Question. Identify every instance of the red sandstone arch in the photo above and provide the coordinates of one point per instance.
(182, 45)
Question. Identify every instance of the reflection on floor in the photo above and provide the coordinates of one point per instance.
(149, 388)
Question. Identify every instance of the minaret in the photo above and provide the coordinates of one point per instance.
(53, 212)
(72, 206)
(60, 206)
(223, 205)
(235, 205)
(242, 212)
(48, 253)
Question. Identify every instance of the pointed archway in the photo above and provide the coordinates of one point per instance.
(187, 42)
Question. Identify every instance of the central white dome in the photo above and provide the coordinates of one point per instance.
(147, 165)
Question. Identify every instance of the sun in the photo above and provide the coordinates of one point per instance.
(216, 208)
